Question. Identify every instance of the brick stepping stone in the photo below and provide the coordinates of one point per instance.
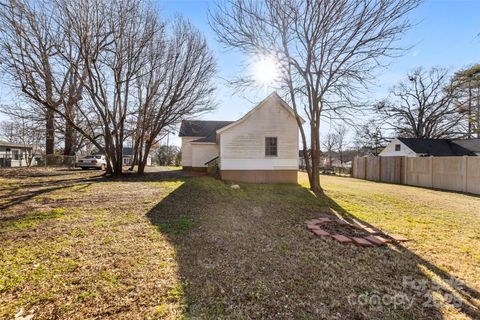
(375, 236)
(321, 233)
(362, 242)
(325, 220)
(341, 238)
(377, 240)
(313, 227)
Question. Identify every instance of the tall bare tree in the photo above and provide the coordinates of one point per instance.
(423, 106)
(329, 143)
(370, 138)
(177, 85)
(467, 85)
(327, 51)
(341, 131)
(32, 46)
(23, 129)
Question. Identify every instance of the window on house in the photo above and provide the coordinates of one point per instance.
(397, 147)
(271, 146)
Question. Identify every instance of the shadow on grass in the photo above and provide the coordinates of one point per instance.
(246, 254)
(20, 193)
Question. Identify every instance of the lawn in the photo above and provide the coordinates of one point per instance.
(76, 245)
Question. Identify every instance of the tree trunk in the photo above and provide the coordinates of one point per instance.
(143, 156)
(70, 133)
(469, 111)
(478, 114)
(315, 176)
(49, 131)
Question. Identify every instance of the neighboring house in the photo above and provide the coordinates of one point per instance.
(260, 147)
(14, 155)
(326, 162)
(415, 147)
(127, 157)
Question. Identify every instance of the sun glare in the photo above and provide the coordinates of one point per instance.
(265, 71)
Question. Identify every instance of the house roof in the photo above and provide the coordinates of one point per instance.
(204, 129)
(127, 151)
(273, 95)
(436, 147)
(207, 130)
(13, 145)
(469, 144)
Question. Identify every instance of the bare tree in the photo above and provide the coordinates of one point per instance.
(327, 51)
(177, 85)
(97, 63)
(341, 131)
(21, 128)
(422, 106)
(31, 49)
(370, 138)
(467, 85)
(329, 143)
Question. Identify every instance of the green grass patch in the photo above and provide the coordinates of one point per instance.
(30, 220)
(177, 227)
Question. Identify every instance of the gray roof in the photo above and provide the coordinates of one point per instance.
(127, 151)
(436, 147)
(13, 145)
(205, 130)
(469, 144)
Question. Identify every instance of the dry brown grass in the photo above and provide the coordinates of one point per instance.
(76, 245)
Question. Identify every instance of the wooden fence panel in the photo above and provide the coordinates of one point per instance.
(449, 173)
(418, 171)
(359, 167)
(473, 175)
(373, 168)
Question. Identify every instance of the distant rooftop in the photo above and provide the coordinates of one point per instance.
(13, 145)
(441, 147)
(204, 129)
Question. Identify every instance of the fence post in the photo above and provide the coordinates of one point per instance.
(431, 171)
(353, 167)
(365, 167)
(465, 172)
(379, 168)
(405, 159)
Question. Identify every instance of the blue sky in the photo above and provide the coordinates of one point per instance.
(445, 35)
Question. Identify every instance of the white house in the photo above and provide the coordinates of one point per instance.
(14, 155)
(415, 147)
(127, 157)
(260, 147)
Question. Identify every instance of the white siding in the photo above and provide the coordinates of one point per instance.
(242, 146)
(187, 151)
(389, 150)
(202, 153)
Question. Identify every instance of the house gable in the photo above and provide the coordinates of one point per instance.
(273, 98)
(390, 150)
(243, 143)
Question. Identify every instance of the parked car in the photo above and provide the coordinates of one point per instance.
(92, 162)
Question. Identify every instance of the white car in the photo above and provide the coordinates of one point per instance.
(92, 162)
